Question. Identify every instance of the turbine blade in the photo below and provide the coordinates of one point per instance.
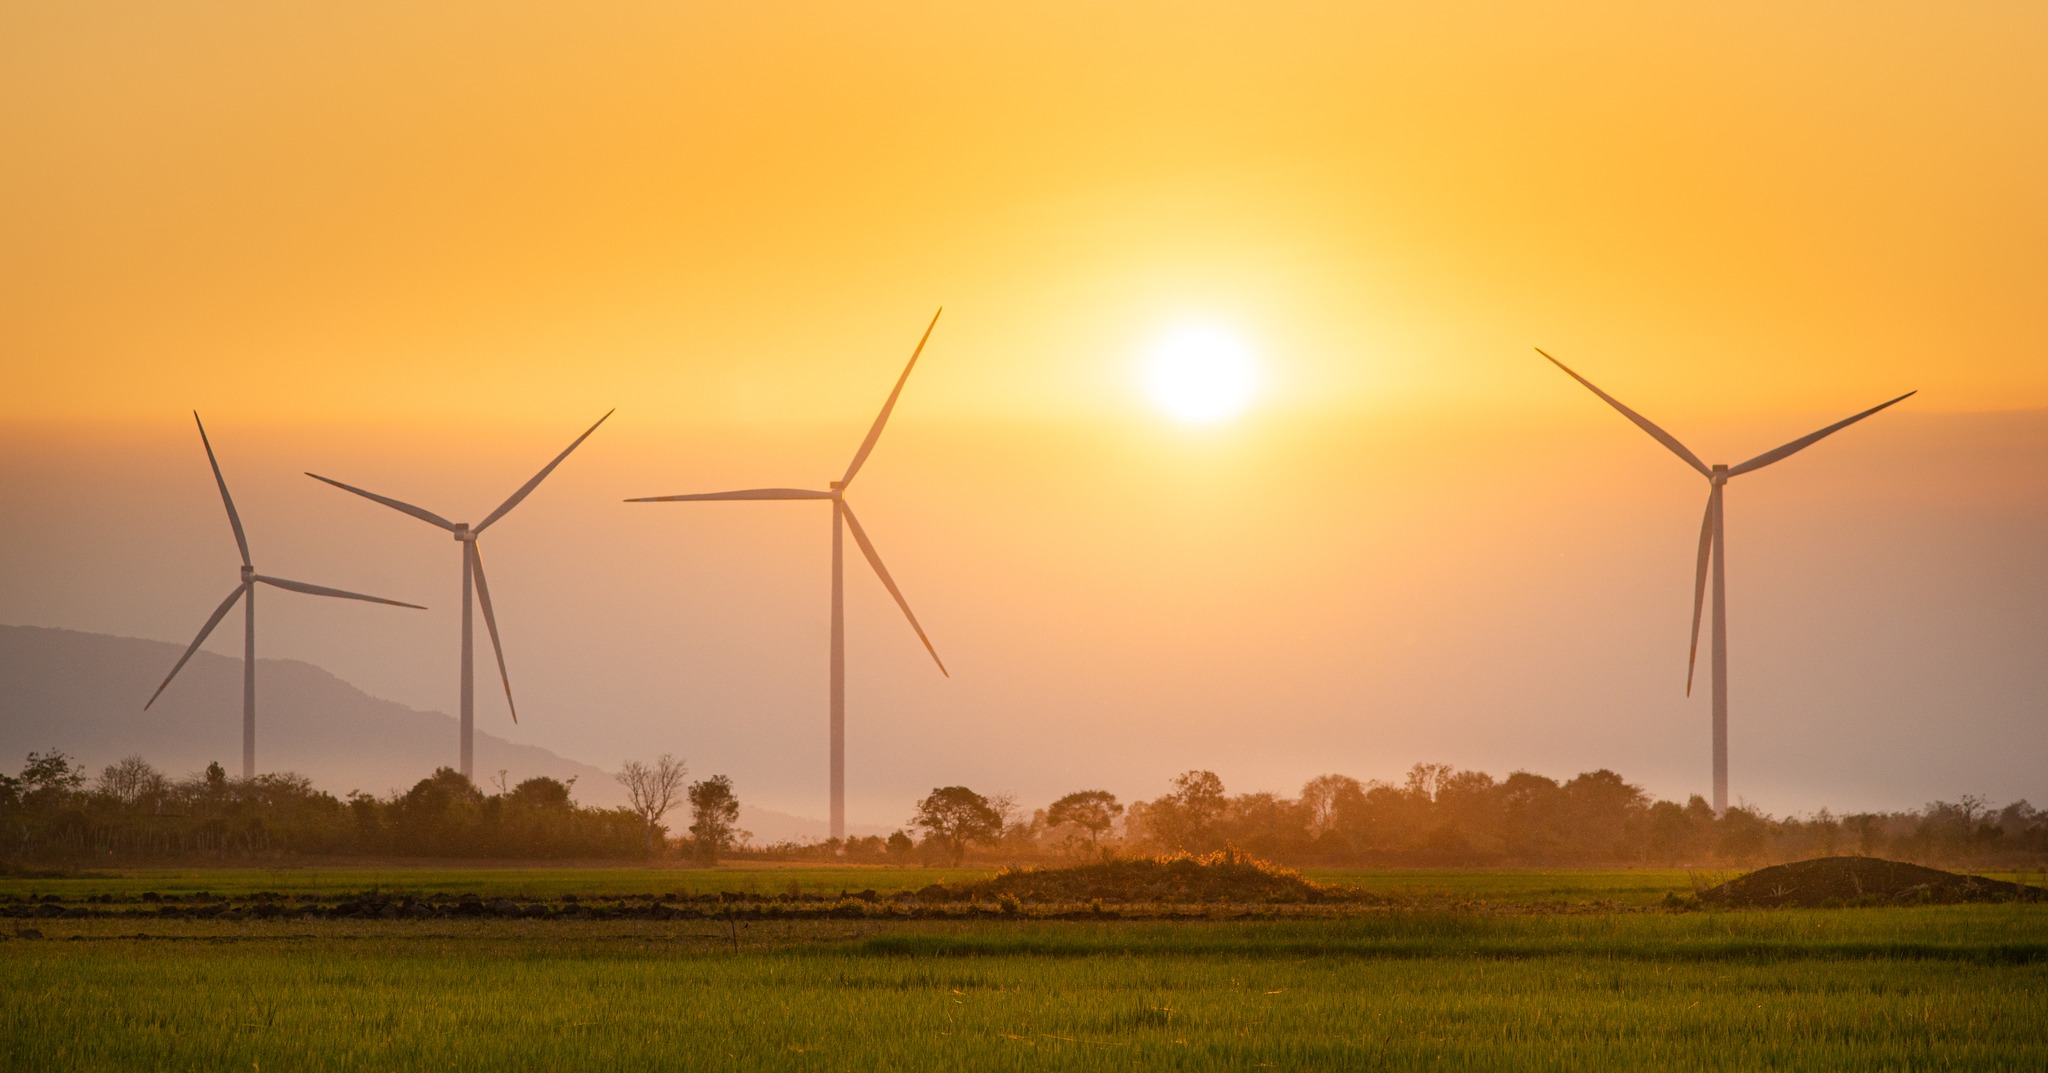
(483, 599)
(402, 507)
(219, 613)
(322, 590)
(747, 493)
(1699, 590)
(1806, 441)
(867, 548)
(875, 433)
(234, 519)
(527, 488)
(1644, 423)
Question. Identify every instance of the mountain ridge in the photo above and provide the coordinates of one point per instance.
(82, 693)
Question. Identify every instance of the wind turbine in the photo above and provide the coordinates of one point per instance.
(473, 574)
(245, 591)
(842, 519)
(1713, 543)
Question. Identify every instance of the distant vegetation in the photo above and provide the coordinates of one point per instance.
(1441, 817)
(132, 811)
(1437, 817)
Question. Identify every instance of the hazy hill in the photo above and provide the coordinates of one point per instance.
(83, 693)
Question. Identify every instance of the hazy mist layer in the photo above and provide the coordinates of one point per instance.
(1272, 602)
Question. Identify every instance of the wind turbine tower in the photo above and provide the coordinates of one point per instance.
(842, 521)
(245, 591)
(1713, 543)
(473, 582)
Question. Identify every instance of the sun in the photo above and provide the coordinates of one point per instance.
(1200, 373)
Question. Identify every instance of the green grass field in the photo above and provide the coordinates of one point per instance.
(1640, 887)
(1503, 980)
(517, 882)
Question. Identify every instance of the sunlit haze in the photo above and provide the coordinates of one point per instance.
(1231, 451)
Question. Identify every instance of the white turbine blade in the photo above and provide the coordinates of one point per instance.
(322, 590)
(234, 519)
(1699, 590)
(483, 599)
(1806, 441)
(746, 493)
(875, 433)
(1644, 423)
(402, 507)
(527, 488)
(867, 548)
(219, 613)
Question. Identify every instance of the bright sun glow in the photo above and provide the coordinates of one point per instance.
(1200, 373)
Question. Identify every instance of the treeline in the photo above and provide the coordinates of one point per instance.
(1439, 816)
(132, 811)
(1436, 816)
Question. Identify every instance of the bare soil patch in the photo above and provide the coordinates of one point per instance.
(1826, 882)
(1225, 877)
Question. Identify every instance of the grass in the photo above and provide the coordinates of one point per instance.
(509, 882)
(1641, 887)
(1424, 887)
(1961, 987)
(1474, 970)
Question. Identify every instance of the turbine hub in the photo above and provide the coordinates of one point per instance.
(463, 533)
(248, 572)
(1720, 474)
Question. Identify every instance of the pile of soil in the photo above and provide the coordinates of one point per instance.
(1225, 877)
(1832, 881)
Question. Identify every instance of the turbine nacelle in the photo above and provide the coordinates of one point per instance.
(473, 572)
(245, 591)
(1712, 544)
(842, 517)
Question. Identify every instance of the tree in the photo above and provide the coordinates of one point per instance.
(1094, 811)
(1425, 779)
(714, 812)
(1326, 797)
(1599, 809)
(540, 792)
(132, 780)
(651, 791)
(1186, 819)
(49, 776)
(953, 816)
(442, 815)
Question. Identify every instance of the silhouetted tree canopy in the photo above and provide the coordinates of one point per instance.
(715, 815)
(652, 789)
(1093, 811)
(134, 811)
(1434, 816)
(953, 816)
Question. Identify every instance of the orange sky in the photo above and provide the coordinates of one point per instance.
(426, 247)
(494, 212)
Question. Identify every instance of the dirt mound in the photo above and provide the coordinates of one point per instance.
(1832, 881)
(1228, 876)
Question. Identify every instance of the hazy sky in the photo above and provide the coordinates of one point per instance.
(420, 250)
